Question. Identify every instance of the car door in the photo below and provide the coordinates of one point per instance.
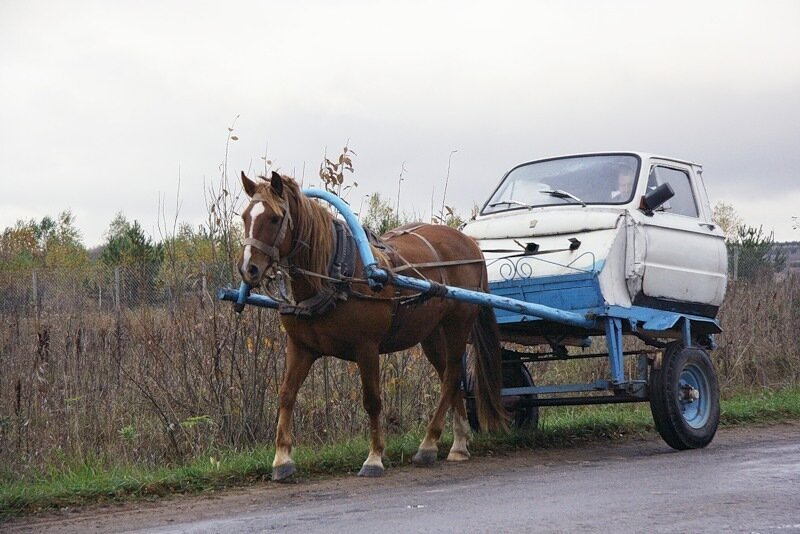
(685, 261)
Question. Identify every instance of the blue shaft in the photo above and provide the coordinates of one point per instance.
(496, 301)
(254, 299)
(456, 293)
(376, 276)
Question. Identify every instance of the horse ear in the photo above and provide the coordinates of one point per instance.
(249, 185)
(277, 184)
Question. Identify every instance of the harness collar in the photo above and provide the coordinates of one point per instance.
(341, 267)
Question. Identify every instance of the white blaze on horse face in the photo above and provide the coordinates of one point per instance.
(255, 211)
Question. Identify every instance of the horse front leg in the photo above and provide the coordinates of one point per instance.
(369, 368)
(298, 364)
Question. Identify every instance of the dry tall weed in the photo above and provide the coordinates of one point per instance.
(163, 383)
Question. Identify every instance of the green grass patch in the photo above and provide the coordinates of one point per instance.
(93, 481)
(761, 407)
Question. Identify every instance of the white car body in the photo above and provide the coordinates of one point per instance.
(662, 259)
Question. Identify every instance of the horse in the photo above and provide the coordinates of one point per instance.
(287, 232)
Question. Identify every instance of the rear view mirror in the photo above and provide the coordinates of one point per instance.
(654, 199)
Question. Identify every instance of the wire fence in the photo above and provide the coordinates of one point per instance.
(111, 289)
(105, 289)
(778, 260)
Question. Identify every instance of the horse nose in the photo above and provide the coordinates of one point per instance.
(252, 270)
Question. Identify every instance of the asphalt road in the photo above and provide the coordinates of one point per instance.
(747, 480)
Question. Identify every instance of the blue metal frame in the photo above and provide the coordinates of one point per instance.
(614, 342)
(573, 300)
(598, 385)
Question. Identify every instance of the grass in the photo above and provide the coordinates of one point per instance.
(94, 481)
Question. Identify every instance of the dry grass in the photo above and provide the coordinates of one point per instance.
(162, 385)
(158, 386)
(760, 343)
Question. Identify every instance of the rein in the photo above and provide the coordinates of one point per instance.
(401, 268)
(426, 265)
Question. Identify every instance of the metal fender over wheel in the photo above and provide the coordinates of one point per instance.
(515, 374)
(684, 397)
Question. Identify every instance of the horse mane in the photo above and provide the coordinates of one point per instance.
(312, 226)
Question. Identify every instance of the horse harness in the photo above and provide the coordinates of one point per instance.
(341, 268)
(286, 223)
(339, 280)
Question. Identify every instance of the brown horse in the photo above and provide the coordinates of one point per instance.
(286, 230)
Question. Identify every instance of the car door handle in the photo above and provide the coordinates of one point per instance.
(710, 226)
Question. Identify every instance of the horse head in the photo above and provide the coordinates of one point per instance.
(268, 227)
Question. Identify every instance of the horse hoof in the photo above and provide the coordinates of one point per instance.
(371, 471)
(458, 456)
(284, 472)
(424, 458)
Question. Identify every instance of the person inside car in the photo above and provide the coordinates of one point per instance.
(625, 179)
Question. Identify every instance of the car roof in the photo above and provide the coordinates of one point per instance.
(642, 155)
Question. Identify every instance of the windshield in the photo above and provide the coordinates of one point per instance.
(603, 179)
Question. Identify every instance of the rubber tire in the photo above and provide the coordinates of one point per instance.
(524, 418)
(664, 386)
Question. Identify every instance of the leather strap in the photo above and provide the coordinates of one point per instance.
(272, 251)
(437, 258)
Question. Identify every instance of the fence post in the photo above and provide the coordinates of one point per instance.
(118, 321)
(203, 277)
(116, 288)
(35, 294)
(735, 264)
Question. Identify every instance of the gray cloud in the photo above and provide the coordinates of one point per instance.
(102, 103)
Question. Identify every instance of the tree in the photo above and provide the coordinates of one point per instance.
(126, 244)
(188, 256)
(380, 217)
(728, 219)
(19, 247)
(753, 254)
(450, 218)
(63, 246)
(46, 243)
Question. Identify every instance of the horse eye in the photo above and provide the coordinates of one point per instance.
(275, 219)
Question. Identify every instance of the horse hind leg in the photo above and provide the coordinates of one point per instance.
(444, 349)
(461, 431)
(435, 348)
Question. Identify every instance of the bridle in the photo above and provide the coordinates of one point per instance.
(272, 251)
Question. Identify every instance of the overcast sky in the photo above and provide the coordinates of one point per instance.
(104, 105)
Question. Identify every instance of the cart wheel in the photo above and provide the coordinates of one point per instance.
(684, 397)
(524, 418)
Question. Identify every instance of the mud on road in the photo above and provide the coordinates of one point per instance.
(748, 479)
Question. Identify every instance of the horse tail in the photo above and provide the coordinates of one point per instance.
(492, 415)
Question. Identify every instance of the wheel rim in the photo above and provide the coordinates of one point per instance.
(516, 375)
(694, 393)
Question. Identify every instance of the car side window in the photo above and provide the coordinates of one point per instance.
(683, 203)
